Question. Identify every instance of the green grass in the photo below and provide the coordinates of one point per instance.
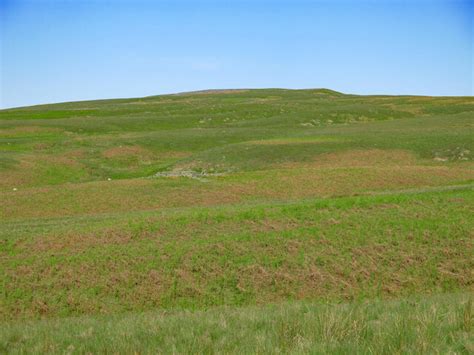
(409, 326)
(337, 210)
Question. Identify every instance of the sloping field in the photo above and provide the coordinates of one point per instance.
(269, 203)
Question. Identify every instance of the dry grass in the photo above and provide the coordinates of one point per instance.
(34, 170)
(365, 158)
(27, 130)
(125, 152)
(286, 141)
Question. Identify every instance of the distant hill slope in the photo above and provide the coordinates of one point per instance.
(219, 130)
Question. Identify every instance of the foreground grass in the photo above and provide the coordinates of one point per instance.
(442, 324)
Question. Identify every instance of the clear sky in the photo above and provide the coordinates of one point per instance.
(67, 50)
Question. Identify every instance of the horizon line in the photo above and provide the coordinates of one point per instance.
(210, 91)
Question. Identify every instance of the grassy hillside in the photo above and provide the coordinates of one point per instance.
(238, 199)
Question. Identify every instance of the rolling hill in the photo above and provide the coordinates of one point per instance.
(293, 219)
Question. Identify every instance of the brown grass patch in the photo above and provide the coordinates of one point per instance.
(334, 174)
(288, 141)
(62, 160)
(360, 158)
(18, 131)
(68, 243)
(330, 181)
(175, 154)
(77, 153)
(135, 151)
(29, 170)
(125, 151)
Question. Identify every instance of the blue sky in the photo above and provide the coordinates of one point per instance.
(67, 50)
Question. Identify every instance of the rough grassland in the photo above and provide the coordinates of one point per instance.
(438, 325)
(347, 248)
(213, 205)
